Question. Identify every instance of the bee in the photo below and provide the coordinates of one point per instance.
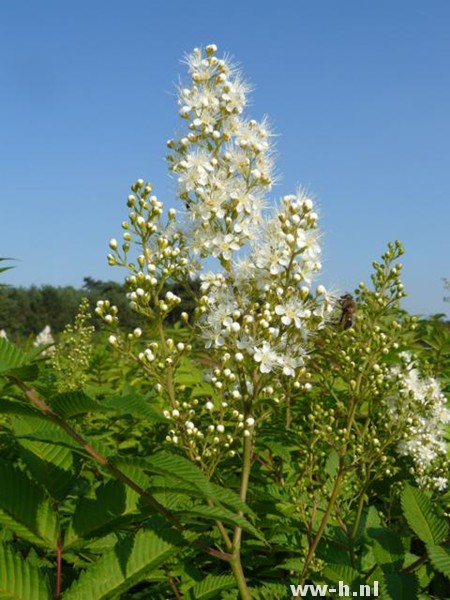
(348, 310)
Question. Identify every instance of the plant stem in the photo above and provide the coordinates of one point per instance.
(359, 510)
(238, 572)
(235, 562)
(324, 522)
(59, 550)
(334, 492)
(172, 583)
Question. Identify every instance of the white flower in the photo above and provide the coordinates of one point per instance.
(224, 245)
(440, 483)
(267, 358)
(293, 311)
(420, 412)
(45, 338)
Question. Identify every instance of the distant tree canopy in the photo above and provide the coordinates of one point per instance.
(25, 312)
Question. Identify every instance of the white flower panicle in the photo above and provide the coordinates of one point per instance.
(259, 311)
(223, 162)
(420, 409)
(262, 305)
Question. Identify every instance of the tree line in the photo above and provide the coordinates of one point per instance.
(25, 311)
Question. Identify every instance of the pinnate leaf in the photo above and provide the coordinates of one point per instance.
(418, 509)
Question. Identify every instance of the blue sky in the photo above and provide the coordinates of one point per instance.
(358, 92)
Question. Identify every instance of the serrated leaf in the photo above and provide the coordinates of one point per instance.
(440, 559)
(27, 372)
(211, 586)
(181, 469)
(387, 548)
(11, 357)
(331, 552)
(70, 404)
(55, 467)
(46, 431)
(137, 406)
(131, 561)
(114, 506)
(339, 572)
(24, 508)
(19, 579)
(400, 586)
(219, 513)
(270, 591)
(16, 407)
(418, 509)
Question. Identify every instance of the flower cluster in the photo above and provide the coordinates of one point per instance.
(261, 305)
(163, 255)
(207, 427)
(256, 314)
(420, 411)
(223, 163)
(45, 338)
(73, 351)
(263, 308)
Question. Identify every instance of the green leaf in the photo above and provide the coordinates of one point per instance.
(277, 449)
(219, 513)
(3, 269)
(332, 464)
(387, 548)
(46, 431)
(24, 508)
(131, 561)
(137, 406)
(440, 559)
(19, 579)
(55, 467)
(340, 572)
(178, 468)
(400, 586)
(114, 505)
(331, 552)
(372, 517)
(421, 516)
(187, 373)
(270, 591)
(70, 404)
(16, 407)
(211, 586)
(11, 357)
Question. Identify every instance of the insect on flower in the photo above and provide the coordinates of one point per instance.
(348, 310)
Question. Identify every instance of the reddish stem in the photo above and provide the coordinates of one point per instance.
(59, 551)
